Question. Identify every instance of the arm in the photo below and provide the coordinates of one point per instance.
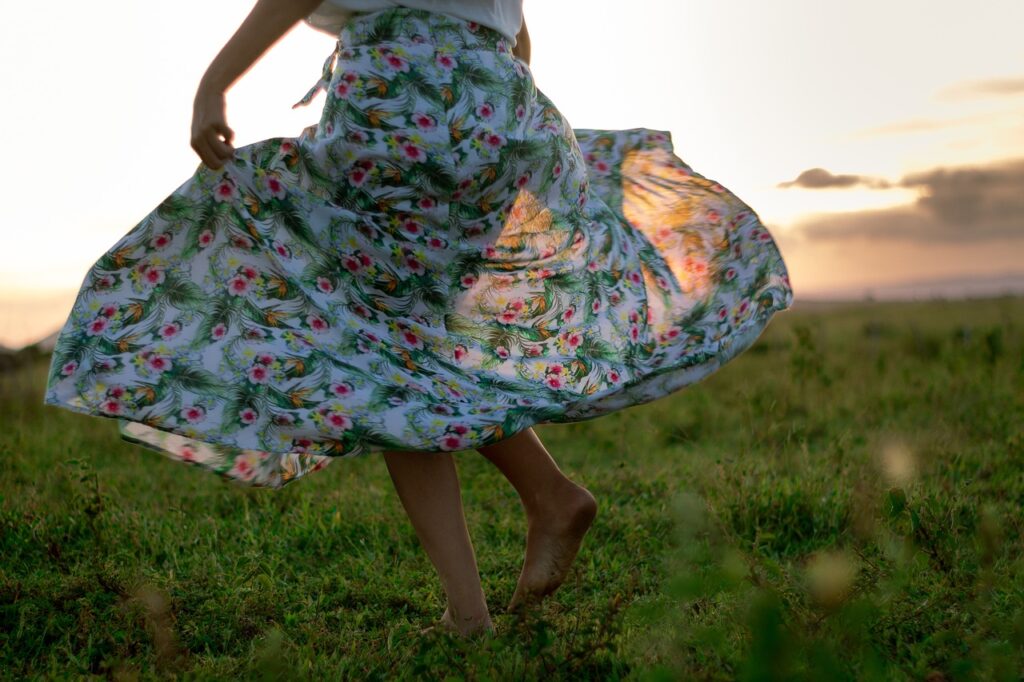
(266, 23)
(522, 48)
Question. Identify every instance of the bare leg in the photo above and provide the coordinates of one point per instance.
(558, 513)
(428, 487)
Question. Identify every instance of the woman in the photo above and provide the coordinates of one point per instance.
(439, 264)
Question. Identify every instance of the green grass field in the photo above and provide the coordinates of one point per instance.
(843, 501)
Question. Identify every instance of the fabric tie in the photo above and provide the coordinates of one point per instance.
(325, 78)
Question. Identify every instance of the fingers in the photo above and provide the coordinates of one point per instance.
(214, 151)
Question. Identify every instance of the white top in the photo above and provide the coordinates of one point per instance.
(504, 16)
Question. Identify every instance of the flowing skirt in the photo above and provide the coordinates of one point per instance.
(438, 264)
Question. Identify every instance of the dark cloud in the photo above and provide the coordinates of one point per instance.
(959, 204)
(819, 178)
(990, 87)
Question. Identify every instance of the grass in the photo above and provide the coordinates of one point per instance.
(843, 501)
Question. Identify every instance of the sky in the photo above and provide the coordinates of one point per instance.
(881, 141)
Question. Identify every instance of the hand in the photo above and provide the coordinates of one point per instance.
(211, 136)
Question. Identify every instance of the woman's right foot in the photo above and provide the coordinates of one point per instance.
(555, 532)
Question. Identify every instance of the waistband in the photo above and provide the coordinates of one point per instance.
(412, 27)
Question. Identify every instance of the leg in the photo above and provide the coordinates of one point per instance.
(558, 513)
(428, 487)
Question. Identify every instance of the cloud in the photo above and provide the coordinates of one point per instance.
(955, 205)
(1000, 87)
(819, 178)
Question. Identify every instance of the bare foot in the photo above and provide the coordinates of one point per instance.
(471, 626)
(553, 539)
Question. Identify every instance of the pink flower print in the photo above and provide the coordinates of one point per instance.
(225, 191)
(547, 252)
(350, 77)
(507, 316)
(243, 468)
(301, 444)
(592, 266)
(396, 62)
(613, 376)
(722, 313)
(460, 429)
(557, 170)
(714, 216)
(635, 277)
(342, 89)
(97, 326)
(522, 180)
(105, 282)
(324, 285)
(413, 340)
(554, 369)
(494, 140)
(69, 368)
(634, 316)
(445, 61)
(280, 249)
(601, 167)
(554, 381)
(673, 332)
(362, 311)
(108, 310)
(255, 333)
(532, 350)
(153, 275)
(485, 110)
(365, 260)
(452, 441)
(357, 176)
(415, 267)
(351, 263)
(341, 389)
(338, 421)
(284, 419)
(544, 273)
(158, 363)
(219, 330)
(502, 352)
(573, 339)
(582, 201)
(373, 337)
(516, 305)
(427, 203)
(764, 237)
(568, 314)
(205, 238)
(474, 230)
(116, 391)
(259, 374)
(238, 285)
(634, 333)
(265, 359)
(316, 323)
(275, 186)
(160, 241)
(730, 274)
(248, 415)
(411, 226)
(193, 413)
(286, 147)
(424, 122)
(112, 406)
(661, 282)
(520, 111)
(460, 352)
(248, 271)
(412, 152)
(473, 26)
(614, 298)
(170, 330)
(241, 241)
(596, 305)
(436, 243)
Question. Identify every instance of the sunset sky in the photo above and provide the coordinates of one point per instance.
(880, 141)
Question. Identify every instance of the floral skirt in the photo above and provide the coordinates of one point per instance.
(438, 264)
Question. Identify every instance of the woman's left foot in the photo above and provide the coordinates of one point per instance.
(553, 539)
(471, 627)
